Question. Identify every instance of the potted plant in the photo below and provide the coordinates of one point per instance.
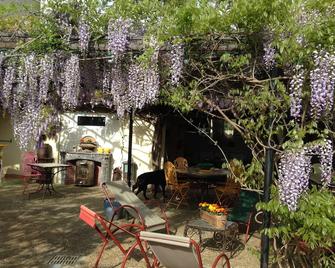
(214, 214)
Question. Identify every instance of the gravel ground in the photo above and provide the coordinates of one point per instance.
(32, 231)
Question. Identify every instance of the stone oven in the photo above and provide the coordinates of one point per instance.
(90, 167)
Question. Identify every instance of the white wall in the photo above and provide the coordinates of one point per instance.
(113, 135)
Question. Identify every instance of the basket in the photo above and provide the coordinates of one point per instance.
(215, 220)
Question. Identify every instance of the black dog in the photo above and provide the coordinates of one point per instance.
(156, 178)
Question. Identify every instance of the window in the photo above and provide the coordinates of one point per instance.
(91, 121)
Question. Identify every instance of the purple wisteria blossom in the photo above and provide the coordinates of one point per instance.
(322, 80)
(7, 87)
(324, 151)
(46, 65)
(118, 36)
(118, 90)
(293, 177)
(177, 63)
(2, 59)
(71, 87)
(269, 57)
(84, 35)
(65, 26)
(296, 85)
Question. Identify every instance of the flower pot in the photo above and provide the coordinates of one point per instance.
(215, 220)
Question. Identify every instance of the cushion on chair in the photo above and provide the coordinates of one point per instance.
(205, 165)
(239, 215)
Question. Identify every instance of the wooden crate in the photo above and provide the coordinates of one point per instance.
(215, 220)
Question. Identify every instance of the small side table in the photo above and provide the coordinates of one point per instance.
(225, 238)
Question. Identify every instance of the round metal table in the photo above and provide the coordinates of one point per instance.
(224, 238)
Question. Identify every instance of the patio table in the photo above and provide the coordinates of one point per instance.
(48, 170)
(203, 177)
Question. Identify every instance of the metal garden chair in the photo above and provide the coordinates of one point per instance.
(29, 175)
(179, 189)
(177, 251)
(108, 230)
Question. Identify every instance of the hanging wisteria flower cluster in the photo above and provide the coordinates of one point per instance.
(177, 63)
(324, 151)
(24, 95)
(19, 97)
(47, 71)
(65, 26)
(143, 85)
(326, 161)
(7, 87)
(26, 123)
(106, 79)
(118, 90)
(32, 71)
(269, 57)
(296, 85)
(2, 58)
(144, 80)
(293, 177)
(84, 35)
(30, 94)
(118, 36)
(133, 87)
(322, 79)
(71, 87)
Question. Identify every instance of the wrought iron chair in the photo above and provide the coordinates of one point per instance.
(179, 189)
(108, 230)
(177, 251)
(180, 163)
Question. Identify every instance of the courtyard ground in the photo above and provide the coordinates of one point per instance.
(33, 231)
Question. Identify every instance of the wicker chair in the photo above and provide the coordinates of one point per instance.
(226, 194)
(180, 163)
(179, 189)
